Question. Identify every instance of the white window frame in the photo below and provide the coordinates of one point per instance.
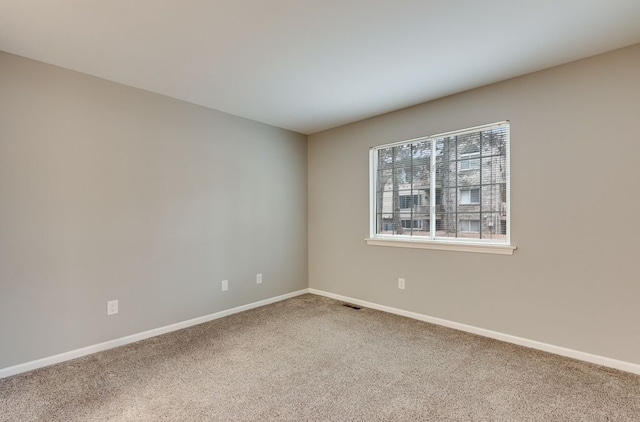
(432, 242)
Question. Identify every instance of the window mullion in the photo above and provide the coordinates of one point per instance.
(432, 191)
(411, 210)
(480, 189)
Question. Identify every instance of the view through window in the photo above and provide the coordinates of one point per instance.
(452, 186)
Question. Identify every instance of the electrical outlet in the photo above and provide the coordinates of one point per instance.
(258, 278)
(401, 283)
(225, 285)
(112, 307)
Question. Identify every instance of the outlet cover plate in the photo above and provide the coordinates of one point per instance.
(112, 307)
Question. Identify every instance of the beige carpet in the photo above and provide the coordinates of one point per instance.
(311, 359)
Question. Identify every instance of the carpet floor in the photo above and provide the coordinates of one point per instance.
(311, 359)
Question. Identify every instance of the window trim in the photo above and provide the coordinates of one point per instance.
(487, 248)
(448, 244)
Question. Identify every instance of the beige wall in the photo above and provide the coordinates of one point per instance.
(109, 192)
(575, 152)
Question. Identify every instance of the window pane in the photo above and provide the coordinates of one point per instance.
(468, 143)
(384, 179)
(491, 198)
(403, 175)
(385, 158)
(470, 161)
(470, 196)
(469, 226)
(474, 196)
(446, 225)
(446, 167)
(492, 226)
(420, 175)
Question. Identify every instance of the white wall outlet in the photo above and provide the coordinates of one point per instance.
(258, 278)
(112, 307)
(401, 283)
(225, 285)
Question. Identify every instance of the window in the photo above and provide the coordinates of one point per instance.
(408, 201)
(469, 196)
(470, 161)
(458, 193)
(469, 226)
(413, 224)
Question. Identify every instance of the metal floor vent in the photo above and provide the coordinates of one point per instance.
(348, 305)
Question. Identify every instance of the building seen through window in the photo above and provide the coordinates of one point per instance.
(451, 186)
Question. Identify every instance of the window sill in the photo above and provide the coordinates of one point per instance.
(444, 246)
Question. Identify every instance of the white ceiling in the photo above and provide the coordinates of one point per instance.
(309, 65)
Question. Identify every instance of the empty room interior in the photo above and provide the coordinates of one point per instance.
(319, 210)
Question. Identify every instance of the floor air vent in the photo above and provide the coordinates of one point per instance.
(348, 305)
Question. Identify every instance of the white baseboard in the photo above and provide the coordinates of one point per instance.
(575, 354)
(51, 360)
